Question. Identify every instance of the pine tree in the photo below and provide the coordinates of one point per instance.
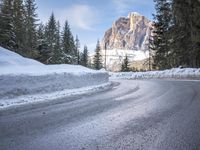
(195, 26)
(84, 57)
(7, 35)
(68, 45)
(43, 52)
(125, 65)
(31, 25)
(176, 39)
(57, 57)
(97, 62)
(50, 34)
(77, 51)
(90, 63)
(186, 32)
(161, 35)
(19, 26)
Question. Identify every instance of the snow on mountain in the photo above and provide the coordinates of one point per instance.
(24, 80)
(134, 13)
(115, 57)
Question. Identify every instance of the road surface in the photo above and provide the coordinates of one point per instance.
(133, 115)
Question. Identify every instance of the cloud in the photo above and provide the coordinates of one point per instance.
(92, 46)
(122, 6)
(79, 16)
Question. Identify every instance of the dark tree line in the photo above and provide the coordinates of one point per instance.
(176, 34)
(21, 33)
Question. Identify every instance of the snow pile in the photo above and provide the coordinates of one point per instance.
(175, 73)
(9, 58)
(14, 64)
(21, 76)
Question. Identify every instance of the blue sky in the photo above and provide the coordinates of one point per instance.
(89, 19)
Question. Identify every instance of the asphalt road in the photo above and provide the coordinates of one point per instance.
(133, 115)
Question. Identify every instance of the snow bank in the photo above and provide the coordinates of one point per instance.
(175, 73)
(9, 58)
(21, 76)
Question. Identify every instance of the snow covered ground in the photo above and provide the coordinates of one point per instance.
(120, 54)
(24, 80)
(115, 57)
(175, 73)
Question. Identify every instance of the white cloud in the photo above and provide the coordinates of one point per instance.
(79, 16)
(120, 5)
(123, 5)
(91, 46)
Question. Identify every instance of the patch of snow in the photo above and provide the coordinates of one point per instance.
(134, 13)
(38, 70)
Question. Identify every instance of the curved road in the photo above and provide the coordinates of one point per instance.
(132, 115)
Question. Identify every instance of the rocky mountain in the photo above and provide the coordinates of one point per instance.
(127, 36)
(130, 32)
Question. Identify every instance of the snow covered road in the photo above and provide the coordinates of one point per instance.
(144, 115)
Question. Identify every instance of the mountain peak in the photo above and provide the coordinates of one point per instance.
(134, 14)
(128, 33)
(127, 36)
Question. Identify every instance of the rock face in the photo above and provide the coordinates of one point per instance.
(130, 33)
(128, 36)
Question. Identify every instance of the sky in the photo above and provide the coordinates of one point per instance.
(89, 19)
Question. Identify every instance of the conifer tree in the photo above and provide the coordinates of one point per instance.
(176, 38)
(31, 25)
(97, 62)
(84, 57)
(50, 34)
(7, 35)
(43, 52)
(57, 57)
(77, 51)
(160, 42)
(125, 65)
(68, 45)
(186, 32)
(19, 26)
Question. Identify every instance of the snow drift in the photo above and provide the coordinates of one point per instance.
(22, 76)
(175, 73)
(9, 58)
